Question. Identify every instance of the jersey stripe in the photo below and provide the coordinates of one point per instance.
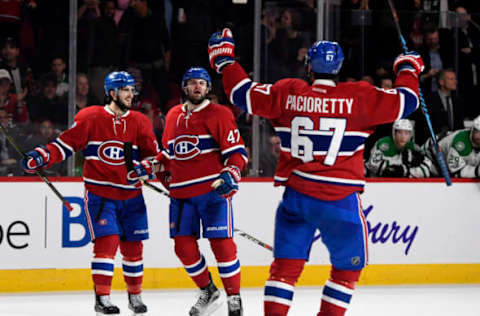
(408, 100)
(238, 96)
(329, 180)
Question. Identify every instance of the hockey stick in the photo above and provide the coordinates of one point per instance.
(128, 154)
(261, 243)
(255, 240)
(38, 172)
(438, 153)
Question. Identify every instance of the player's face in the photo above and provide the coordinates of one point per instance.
(196, 90)
(476, 138)
(402, 137)
(125, 95)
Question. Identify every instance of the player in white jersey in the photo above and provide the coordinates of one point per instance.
(398, 155)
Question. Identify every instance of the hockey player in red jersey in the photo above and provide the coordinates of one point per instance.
(322, 127)
(202, 144)
(114, 207)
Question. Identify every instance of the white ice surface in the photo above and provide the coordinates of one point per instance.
(442, 300)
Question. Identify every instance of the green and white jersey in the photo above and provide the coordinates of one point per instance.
(461, 157)
(384, 154)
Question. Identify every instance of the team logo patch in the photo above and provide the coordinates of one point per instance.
(356, 261)
(102, 222)
(384, 147)
(111, 153)
(185, 147)
(459, 146)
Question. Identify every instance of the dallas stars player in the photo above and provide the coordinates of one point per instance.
(462, 151)
(398, 155)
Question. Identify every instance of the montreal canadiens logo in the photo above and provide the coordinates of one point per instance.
(185, 147)
(111, 153)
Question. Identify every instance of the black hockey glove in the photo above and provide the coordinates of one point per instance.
(395, 171)
(412, 158)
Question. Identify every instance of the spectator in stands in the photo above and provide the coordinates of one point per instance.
(437, 55)
(58, 67)
(462, 152)
(269, 158)
(10, 102)
(20, 74)
(398, 155)
(83, 97)
(45, 132)
(286, 45)
(104, 48)
(386, 83)
(147, 51)
(468, 60)
(445, 108)
(47, 105)
(11, 17)
(8, 156)
(89, 10)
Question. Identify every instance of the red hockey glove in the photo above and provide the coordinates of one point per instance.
(141, 171)
(227, 183)
(36, 158)
(411, 61)
(221, 49)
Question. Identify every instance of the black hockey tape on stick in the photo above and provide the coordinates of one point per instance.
(38, 172)
(128, 154)
(438, 153)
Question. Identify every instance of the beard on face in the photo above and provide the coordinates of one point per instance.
(196, 100)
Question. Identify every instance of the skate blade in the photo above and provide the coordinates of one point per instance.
(212, 308)
(138, 314)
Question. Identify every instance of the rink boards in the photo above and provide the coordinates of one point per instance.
(420, 232)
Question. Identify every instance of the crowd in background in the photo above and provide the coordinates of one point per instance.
(156, 41)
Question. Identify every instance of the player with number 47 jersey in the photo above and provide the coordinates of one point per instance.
(204, 154)
(323, 127)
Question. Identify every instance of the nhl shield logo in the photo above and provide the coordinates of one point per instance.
(356, 261)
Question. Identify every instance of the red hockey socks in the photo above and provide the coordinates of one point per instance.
(225, 252)
(186, 248)
(132, 265)
(338, 292)
(104, 250)
(279, 287)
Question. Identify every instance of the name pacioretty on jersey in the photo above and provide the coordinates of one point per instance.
(319, 105)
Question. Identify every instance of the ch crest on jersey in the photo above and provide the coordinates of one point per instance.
(111, 153)
(186, 147)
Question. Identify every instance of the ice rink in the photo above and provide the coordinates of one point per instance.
(439, 300)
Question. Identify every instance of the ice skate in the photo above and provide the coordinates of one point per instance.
(136, 305)
(104, 306)
(234, 305)
(207, 301)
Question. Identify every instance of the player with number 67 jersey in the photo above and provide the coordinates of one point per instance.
(323, 127)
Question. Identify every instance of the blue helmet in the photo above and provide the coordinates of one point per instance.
(196, 73)
(118, 79)
(325, 57)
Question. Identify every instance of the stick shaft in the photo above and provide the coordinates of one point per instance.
(438, 153)
(37, 172)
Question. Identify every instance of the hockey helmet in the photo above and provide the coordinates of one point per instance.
(404, 125)
(118, 79)
(325, 57)
(196, 73)
(476, 123)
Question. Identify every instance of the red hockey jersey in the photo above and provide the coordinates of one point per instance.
(197, 145)
(100, 134)
(322, 126)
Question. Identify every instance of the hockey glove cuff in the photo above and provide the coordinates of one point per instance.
(410, 61)
(221, 49)
(227, 183)
(35, 159)
(141, 171)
